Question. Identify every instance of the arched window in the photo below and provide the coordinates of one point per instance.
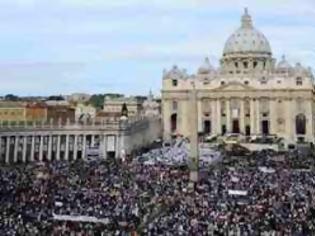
(173, 122)
(300, 124)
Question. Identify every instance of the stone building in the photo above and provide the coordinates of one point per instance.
(12, 111)
(36, 112)
(114, 105)
(250, 93)
(60, 112)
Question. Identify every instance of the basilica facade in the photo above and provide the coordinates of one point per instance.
(249, 94)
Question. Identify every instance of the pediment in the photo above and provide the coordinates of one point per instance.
(234, 86)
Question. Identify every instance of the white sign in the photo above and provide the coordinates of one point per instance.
(111, 143)
(266, 170)
(237, 192)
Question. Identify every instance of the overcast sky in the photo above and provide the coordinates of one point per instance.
(98, 46)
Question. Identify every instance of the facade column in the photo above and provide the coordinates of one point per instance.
(273, 116)
(75, 147)
(213, 117)
(219, 124)
(84, 146)
(33, 148)
(67, 148)
(49, 149)
(24, 150)
(7, 150)
(58, 148)
(288, 121)
(16, 148)
(309, 124)
(228, 116)
(242, 117)
(200, 115)
(41, 147)
(252, 117)
(258, 130)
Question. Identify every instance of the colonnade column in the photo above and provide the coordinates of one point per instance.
(0, 148)
(16, 145)
(242, 117)
(7, 151)
(258, 131)
(16, 148)
(67, 148)
(213, 117)
(219, 125)
(75, 147)
(252, 117)
(58, 148)
(228, 116)
(49, 147)
(83, 146)
(33, 148)
(92, 140)
(105, 146)
(41, 147)
(24, 149)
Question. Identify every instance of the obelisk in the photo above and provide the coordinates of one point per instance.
(194, 153)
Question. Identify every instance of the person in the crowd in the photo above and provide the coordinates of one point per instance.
(156, 199)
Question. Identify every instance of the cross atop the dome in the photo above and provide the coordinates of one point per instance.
(246, 19)
(246, 11)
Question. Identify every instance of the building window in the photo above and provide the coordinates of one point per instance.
(206, 81)
(173, 122)
(300, 124)
(222, 83)
(265, 114)
(299, 81)
(263, 80)
(174, 105)
(245, 63)
(246, 82)
(236, 64)
(174, 82)
(255, 64)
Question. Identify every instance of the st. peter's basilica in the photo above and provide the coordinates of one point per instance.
(249, 94)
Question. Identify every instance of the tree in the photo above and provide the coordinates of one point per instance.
(11, 97)
(124, 110)
(97, 100)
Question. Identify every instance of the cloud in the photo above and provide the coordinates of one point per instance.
(123, 45)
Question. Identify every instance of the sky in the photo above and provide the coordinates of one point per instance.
(122, 46)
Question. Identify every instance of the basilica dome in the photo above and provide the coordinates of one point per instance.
(247, 39)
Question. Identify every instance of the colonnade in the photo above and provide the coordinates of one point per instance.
(41, 147)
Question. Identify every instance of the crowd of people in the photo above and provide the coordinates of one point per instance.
(259, 194)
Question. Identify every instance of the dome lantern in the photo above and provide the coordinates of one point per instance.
(247, 20)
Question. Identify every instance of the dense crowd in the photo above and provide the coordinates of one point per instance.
(126, 197)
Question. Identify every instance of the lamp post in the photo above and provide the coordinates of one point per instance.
(194, 153)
